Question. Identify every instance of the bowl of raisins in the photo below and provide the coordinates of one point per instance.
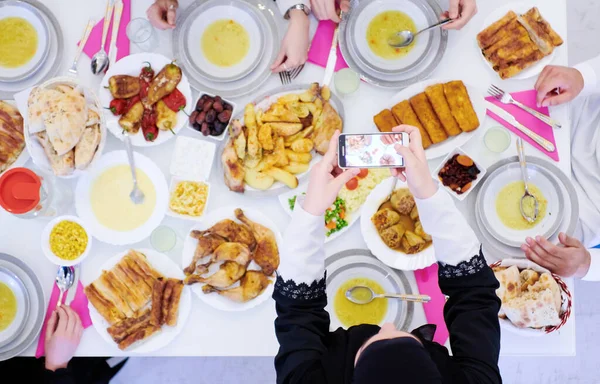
(459, 173)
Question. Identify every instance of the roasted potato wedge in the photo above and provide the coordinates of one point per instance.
(286, 129)
(310, 94)
(290, 98)
(299, 109)
(302, 146)
(268, 161)
(296, 168)
(325, 93)
(258, 180)
(300, 135)
(251, 161)
(284, 176)
(279, 152)
(298, 157)
(163, 84)
(284, 115)
(123, 86)
(265, 137)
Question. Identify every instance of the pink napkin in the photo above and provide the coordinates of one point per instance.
(79, 305)
(536, 125)
(427, 281)
(95, 39)
(321, 44)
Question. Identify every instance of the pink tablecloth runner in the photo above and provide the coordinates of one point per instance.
(427, 281)
(321, 44)
(95, 39)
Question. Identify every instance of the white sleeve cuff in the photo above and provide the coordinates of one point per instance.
(453, 239)
(590, 78)
(284, 5)
(303, 258)
(594, 271)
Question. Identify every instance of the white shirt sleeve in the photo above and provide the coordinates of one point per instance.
(590, 70)
(594, 271)
(284, 5)
(303, 258)
(453, 239)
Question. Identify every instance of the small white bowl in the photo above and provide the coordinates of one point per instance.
(174, 181)
(46, 242)
(482, 172)
(233, 113)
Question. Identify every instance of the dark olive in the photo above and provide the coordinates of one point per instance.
(201, 117)
(193, 116)
(224, 116)
(211, 116)
(219, 128)
(218, 106)
(205, 130)
(200, 104)
(207, 106)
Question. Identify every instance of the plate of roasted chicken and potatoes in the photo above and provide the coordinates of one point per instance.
(278, 138)
(230, 258)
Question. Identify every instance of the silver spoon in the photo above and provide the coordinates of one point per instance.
(526, 195)
(100, 60)
(136, 195)
(372, 296)
(405, 38)
(64, 280)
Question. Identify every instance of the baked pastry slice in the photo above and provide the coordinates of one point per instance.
(540, 31)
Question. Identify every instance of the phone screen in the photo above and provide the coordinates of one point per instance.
(371, 150)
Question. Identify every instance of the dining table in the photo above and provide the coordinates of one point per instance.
(212, 332)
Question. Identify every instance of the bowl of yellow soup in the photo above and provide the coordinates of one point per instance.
(66, 241)
(23, 41)
(102, 199)
(14, 306)
(498, 204)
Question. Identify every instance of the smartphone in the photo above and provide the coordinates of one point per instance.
(371, 150)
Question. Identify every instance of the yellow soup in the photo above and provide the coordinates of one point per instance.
(111, 203)
(18, 42)
(508, 205)
(8, 306)
(225, 43)
(382, 27)
(351, 314)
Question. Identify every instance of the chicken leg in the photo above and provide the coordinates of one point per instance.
(238, 252)
(229, 272)
(230, 230)
(266, 254)
(206, 246)
(233, 169)
(252, 284)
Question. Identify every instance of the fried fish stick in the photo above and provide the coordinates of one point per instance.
(173, 310)
(435, 94)
(428, 118)
(157, 318)
(385, 121)
(138, 335)
(460, 105)
(406, 115)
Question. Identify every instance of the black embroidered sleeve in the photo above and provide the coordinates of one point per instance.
(465, 268)
(301, 291)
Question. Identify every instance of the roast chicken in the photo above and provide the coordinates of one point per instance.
(266, 253)
(251, 285)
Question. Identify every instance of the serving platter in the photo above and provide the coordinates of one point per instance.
(417, 65)
(355, 263)
(167, 267)
(12, 281)
(189, 247)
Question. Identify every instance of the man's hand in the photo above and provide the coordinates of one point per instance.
(461, 11)
(570, 259)
(326, 9)
(557, 85)
(162, 14)
(63, 334)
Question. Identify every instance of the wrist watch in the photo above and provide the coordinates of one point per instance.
(301, 7)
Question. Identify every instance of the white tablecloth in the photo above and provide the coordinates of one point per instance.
(210, 332)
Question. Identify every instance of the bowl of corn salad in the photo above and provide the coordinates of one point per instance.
(65, 241)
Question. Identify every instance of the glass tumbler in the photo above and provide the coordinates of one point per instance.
(142, 33)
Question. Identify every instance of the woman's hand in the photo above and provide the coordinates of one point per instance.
(416, 170)
(323, 188)
(162, 14)
(570, 258)
(460, 10)
(326, 9)
(63, 334)
(294, 47)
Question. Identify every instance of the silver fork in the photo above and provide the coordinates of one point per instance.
(296, 71)
(285, 77)
(82, 43)
(506, 98)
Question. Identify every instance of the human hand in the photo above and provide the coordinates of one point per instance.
(323, 187)
(567, 81)
(63, 334)
(572, 259)
(391, 139)
(162, 13)
(460, 10)
(416, 170)
(326, 9)
(294, 46)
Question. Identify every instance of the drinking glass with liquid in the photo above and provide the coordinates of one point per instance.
(497, 139)
(163, 239)
(142, 33)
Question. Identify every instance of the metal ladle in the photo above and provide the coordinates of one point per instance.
(405, 38)
(372, 296)
(64, 280)
(526, 195)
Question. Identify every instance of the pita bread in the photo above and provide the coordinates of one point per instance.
(86, 148)
(62, 165)
(510, 283)
(546, 281)
(65, 121)
(533, 310)
(38, 104)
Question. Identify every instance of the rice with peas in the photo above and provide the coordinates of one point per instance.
(355, 199)
(68, 240)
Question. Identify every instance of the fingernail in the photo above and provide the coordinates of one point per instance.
(538, 238)
(529, 240)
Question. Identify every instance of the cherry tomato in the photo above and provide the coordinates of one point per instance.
(352, 184)
(363, 173)
(175, 100)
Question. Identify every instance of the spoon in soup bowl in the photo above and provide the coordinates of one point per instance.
(405, 38)
(528, 201)
(364, 295)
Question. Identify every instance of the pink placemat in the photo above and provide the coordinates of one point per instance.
(321, 44)
(427, 281)
(536, 125)
(79, 305)
(95, 39)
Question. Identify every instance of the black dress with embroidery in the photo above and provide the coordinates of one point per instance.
(310, 354)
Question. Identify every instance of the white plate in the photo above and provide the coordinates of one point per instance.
(362, 24)
(189, 247)
(446, 146)
(394, 259)
(132, 65)
(519, 9)
(196, 32)
(351, 218)
(166, 335)
(46, 242)
(41, 27)
(474, 183)
(503, 176)
(174, 181)
(84, 208)
(22, 297)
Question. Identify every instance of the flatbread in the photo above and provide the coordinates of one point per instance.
(38, 104)
(510, 283)
(546, 281)
(62, 165)
(533, 310)
(65, 120)
(86, 147)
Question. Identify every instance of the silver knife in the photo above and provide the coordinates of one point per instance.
(73, 290)
(332, 59)
(547, 145)
(112, 56)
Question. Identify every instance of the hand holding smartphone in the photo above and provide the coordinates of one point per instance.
(371, 150)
